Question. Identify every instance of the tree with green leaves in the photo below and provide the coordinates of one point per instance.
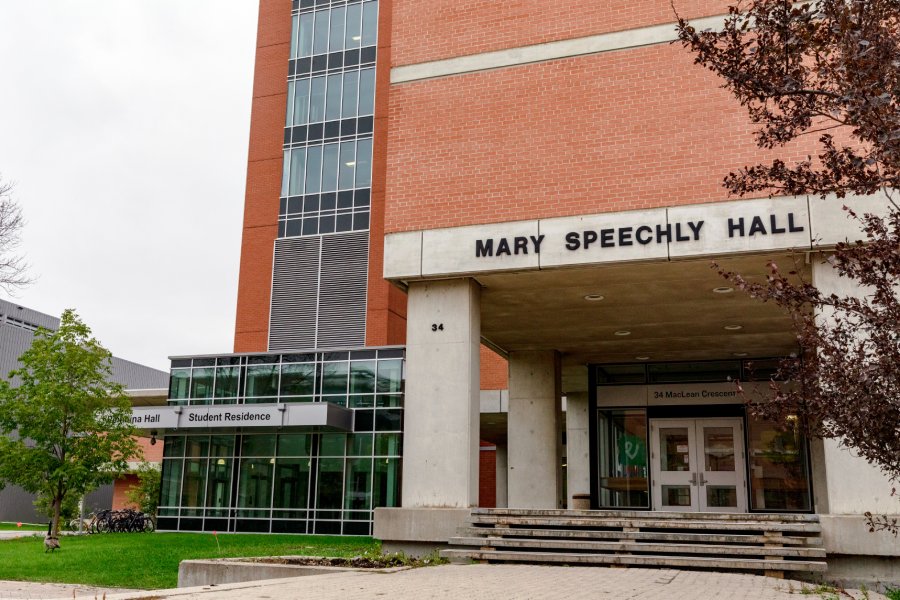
(65, 427)
(145, 495)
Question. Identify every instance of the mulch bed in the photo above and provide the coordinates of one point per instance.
(358, 562)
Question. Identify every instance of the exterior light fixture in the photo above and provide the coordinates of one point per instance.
(733, 327)
(739, 354)
(642, 358)
(723, 289)
(622, 333)
(593, 297)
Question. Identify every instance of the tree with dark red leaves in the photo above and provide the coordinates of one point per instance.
(829, 70)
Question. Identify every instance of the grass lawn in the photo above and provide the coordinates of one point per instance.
(25, 527)
(150, 560)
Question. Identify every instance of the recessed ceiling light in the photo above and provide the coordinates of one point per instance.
(622, 333)
(723, 289)
(356, 38)
(351, 163)
(740, 354)
(594, 297)
(733, 327)
(642, 358)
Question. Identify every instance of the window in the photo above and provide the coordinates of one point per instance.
(329, 119)
(622, 448)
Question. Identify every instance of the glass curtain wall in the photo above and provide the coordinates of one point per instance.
(326, 483)
(327, 171)
(360, 379)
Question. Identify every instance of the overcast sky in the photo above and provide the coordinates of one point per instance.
(124, 124)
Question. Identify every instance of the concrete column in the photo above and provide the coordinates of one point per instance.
(533, 431)
(870, 489)
(440, 442)
(578, 471)
(502, 468)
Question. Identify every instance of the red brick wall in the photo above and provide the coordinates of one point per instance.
(152, 452)
(386, 309)
(434, 29)
(120, 489)
(605, 132)
(263, 175)
(487, 476)
(494, 370)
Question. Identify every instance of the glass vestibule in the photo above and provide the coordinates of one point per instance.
(771, 475)
(722, 457)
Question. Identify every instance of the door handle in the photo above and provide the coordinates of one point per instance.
(693, 480)
(702, 479)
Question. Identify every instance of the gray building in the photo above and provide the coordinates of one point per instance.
(17, 327)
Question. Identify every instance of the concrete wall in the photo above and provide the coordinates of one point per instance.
(853, 485)
(192, 573)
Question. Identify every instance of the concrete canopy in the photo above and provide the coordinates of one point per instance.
(669, 308)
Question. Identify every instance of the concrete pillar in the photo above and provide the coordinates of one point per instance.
(440, 442)
(502, 468)
(532, 430)
(578, 471)
(870, 489)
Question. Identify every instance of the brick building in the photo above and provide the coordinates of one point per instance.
(479, 230)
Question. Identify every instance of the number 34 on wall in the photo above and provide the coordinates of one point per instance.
(437, 326)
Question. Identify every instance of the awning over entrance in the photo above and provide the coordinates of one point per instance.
(322, 415)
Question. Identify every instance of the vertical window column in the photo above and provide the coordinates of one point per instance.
(327, 172)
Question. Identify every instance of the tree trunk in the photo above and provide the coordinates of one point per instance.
(57, 506)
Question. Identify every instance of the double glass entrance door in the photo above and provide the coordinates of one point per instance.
(698, 465)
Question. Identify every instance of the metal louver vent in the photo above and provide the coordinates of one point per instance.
(319, 290)
(342, 290)
(295, 290)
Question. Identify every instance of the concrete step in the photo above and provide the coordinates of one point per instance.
(662, 536)
(633, 514)
(628, 546)
(644, 521)
(696, 562)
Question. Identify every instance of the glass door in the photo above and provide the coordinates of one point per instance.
(698, 465)
(674, 465)
(721, 473)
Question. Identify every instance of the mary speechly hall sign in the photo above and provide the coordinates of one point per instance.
(630, 235)
(654, 234)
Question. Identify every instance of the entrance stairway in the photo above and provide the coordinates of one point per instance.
(765, 543)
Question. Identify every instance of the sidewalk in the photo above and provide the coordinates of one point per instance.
(24, 590)
(513, 582)
(13, 534)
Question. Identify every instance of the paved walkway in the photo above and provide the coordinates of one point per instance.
(498, 582)
(23, 590)
(11, 535)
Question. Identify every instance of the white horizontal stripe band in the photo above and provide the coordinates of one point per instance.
(604, 42)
